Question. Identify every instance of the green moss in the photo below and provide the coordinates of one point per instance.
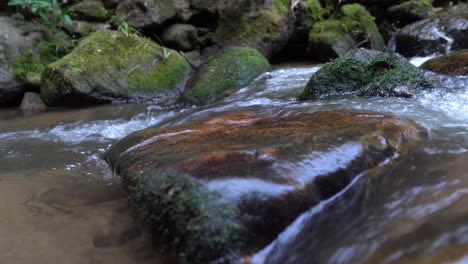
(282, 7)
(194, 220)
(316, 12)
(235, 67)
(352, 24)
(365, 73)
(108, 62)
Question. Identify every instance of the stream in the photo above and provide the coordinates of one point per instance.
(59, 202)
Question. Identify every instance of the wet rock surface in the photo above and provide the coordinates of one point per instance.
(455, 63)
(438, 34)
(219, 184)
(366, 73)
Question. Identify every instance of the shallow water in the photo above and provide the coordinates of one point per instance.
(60, 201)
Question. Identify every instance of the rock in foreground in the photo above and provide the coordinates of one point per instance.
(109, 65)
(455, 63)
(220, 185)
(364, 72)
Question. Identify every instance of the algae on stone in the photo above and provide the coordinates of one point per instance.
(366, 73)
(235, 67)
(108, 65)
(192, 219)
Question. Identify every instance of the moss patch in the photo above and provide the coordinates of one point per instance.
(193, 219)
(235, 67)
(365, 73)
(343, 32)
(110, 64)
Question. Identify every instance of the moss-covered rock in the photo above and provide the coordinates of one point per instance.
(352, 27)
(109, 65)
(410, 11)
(13, 44)
(232, 68)
(266, 29)
(89, 10)
(455, 63)
(207, 184)
(366, 73)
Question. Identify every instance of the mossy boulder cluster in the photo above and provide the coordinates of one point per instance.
(230, 69)
(364, 72)
(109, 65)
(229, 184)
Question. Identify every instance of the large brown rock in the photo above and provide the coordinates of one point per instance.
(215, 184)
(455, 63)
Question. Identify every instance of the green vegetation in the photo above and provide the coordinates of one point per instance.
(235, 67)
(282, 7)
(194, 220)
(364, 73)
(54, 43)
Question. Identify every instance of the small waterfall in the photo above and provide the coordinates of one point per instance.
(448, 45)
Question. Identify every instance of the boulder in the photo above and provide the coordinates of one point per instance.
(32, 102)
(440, 34)
(216, 185)
(410, 11)
(109, 65)
(13, 42)
(182, 37)
(232, 68)
(151, 14)
(364, 72)
(353, 27)
(89, 10)
(455, 63)
(266, 28)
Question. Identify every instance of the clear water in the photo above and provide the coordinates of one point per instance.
(51, 173)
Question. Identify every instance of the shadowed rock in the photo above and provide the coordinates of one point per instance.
(216, 184)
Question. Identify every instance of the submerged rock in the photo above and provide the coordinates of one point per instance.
(455, 63)
(214, 185)
(109, 65)
(352, 28)
(232, 68)
(366, 73)
(434, 35)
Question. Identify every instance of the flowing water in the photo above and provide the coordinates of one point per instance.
(59, 203)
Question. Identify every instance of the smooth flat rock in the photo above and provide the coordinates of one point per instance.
(238, 179)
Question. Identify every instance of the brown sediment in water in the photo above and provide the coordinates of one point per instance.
(50, 216)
